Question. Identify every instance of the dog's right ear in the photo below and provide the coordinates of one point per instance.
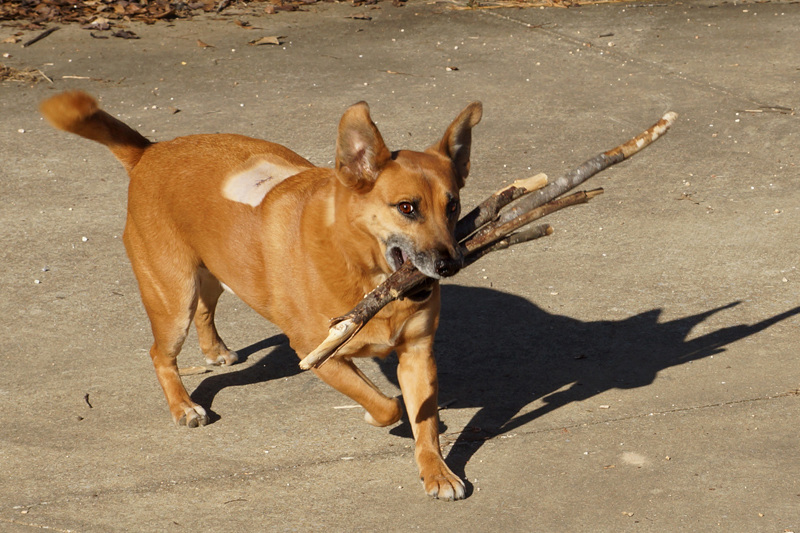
(360, 151)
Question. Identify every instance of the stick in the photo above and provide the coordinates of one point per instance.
(494, 236)
(497, 230)
(41, 36)
(527, 235)
(589, 168)
(343, 328)
(488, 209)
(407, 278)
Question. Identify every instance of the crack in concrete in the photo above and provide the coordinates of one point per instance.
(791, 393)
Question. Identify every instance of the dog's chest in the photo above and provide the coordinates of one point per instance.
(384, 334)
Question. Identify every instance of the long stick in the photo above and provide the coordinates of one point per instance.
(39, 37)
(496, 236)
(589, 168)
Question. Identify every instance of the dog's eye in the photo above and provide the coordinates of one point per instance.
(452, 207)
(406, 208)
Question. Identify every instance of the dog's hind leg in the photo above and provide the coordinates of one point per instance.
(209, 290)
(167, 282)
(344, 376)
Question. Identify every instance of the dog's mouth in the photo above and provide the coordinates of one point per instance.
(397, 257)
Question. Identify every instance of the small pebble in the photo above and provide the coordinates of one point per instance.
(84, 239)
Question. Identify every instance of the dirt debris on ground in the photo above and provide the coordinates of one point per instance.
(37, 13)
(22, 75)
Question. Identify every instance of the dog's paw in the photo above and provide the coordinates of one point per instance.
(226, 358)
(443, 484)
(193, 416)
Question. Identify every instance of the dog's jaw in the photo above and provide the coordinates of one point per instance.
(397, 254)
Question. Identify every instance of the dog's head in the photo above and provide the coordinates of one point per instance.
(408, 201)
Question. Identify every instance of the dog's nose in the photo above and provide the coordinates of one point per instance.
(447, 267)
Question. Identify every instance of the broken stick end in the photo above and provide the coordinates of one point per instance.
(531, 184)
(670, 118)
(338, 335)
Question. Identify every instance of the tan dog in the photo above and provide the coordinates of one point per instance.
(297, 243)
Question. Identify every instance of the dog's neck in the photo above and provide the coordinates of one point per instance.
(338, 240)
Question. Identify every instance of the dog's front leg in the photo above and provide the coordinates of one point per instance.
(419, 383)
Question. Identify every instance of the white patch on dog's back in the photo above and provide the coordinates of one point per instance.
(250, 183)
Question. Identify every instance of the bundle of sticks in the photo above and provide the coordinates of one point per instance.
(488, 228)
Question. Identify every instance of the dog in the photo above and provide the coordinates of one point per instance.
(299, 244)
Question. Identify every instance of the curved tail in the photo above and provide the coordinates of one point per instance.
(77, 112)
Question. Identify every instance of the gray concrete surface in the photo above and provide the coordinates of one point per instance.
(636, 371)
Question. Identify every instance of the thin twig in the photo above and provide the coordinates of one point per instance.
(41, 36)
(530, 234)
(488, 209)
(497, 230)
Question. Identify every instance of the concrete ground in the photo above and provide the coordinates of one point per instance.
(635, 371)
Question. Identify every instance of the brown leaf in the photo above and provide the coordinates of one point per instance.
(359, 16)
(201, 44)
(99, 24)
(267, 40)
(11, 40)
(125, 34)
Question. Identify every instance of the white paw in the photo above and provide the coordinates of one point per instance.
(193, 416)
(226, 359)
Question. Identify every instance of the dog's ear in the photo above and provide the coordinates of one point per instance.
(457, 140)
(360, 151)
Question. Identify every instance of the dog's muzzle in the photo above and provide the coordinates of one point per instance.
(432, 263)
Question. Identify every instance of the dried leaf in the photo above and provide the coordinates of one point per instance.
(359, 16)
(201, 44)
(267, 40)
(100, 24)
(125, 34)
(11, 40)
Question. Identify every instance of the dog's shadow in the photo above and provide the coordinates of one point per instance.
(499, 353)
(279, 363)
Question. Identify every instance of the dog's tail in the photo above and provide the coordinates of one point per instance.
(77, 112)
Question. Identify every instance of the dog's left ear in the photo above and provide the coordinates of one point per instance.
(360, 151)
(457, 140)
